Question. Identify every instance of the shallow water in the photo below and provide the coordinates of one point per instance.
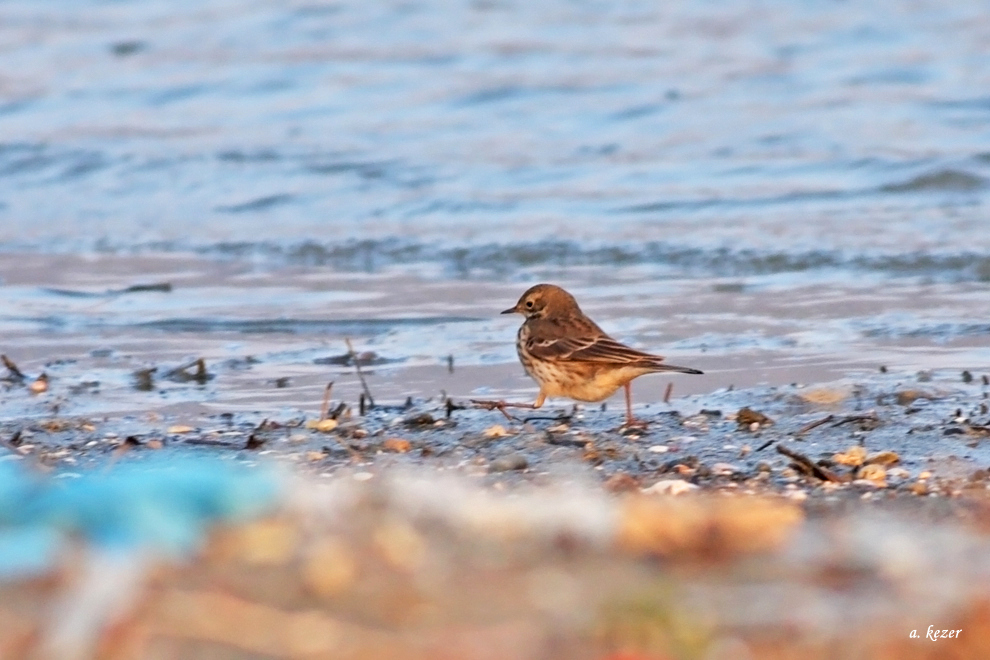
(773, 193)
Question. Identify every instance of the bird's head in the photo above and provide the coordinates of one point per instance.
(544, 300)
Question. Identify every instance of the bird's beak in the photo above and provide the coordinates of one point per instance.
(511, 310)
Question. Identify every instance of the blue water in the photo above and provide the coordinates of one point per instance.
(707, 135)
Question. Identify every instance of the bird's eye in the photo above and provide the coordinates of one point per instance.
(529, 304)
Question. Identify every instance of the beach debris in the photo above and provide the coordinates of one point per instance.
(350, 359)
(14, 374)
(852, 457)
(322, 425)
(495, 431)
(670, 487)
(325, 406)
(884, 458)
(419, 419)
(702, 526)
(875, 474)
(360, 375)
(144, 379)
(622, 482)
(812, 425)
(179, 429)
(509, 462)
(824, 396)
(39, 385)
(752, 420)
(907, 397)
(967, 377)
(450, 406)
(254, 442)
(194, 371)
(155, 287)
(866, 421)
(398, 445)
(806, 466)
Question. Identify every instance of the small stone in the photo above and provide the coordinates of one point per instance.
(853, 457)
(421, 419)
(322, 425)
(907, 397)
(509, 463)
(883, 458)
(747, 418)
(875, 474)
(672, 487)
(398, 445)
(179, 429)
(39, 385)
(362, 476)
(495, 431)
(658, 449)
(622, 483)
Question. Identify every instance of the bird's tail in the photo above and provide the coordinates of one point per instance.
(681, 370)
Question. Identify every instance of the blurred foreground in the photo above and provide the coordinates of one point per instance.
(173, 559)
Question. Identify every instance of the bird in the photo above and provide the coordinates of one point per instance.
(568, 355)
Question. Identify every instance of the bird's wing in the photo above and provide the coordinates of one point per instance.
(600, 348)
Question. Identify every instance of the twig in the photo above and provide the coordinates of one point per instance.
(666, 395)
(765, 445)
(451, 407)
(815, 424)
(809, 466)
(357, 367)
(326, 401)
(868, 417)
(15, 373)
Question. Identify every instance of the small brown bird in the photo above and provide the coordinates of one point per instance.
(568, 355)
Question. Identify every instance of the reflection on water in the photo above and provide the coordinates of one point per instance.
(780, 192)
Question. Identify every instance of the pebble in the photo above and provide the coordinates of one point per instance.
(509, 463)
(658, 449)
(670, 487)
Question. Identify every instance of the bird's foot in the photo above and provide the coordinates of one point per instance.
(499, 406)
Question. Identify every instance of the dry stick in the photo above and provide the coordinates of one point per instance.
(326, 401)
(666, 395)
(815, 424)
(357, 366)
(805, 462)
(872, 417)
(12, 368)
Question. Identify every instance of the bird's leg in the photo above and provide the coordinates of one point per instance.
(631, 422)
(502, 405)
